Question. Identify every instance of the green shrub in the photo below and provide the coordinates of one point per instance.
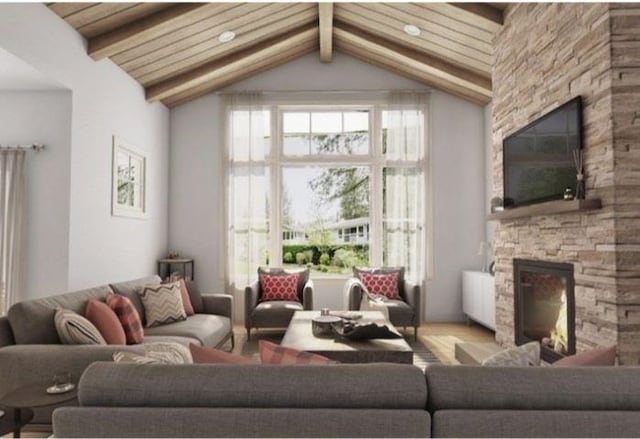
(309, 255)
(288, 258)
(324, 259)
(323, 268)
(301, 259)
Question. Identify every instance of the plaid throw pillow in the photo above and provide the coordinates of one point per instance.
(271, 353)
(128, 316)
(279, 287)
(383, 284)
(162, 304)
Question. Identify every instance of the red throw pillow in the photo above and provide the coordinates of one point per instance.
(128, 316)
(279, 287)
(271, 353)
(186, 300)
(204, 354)
(106, 320)
(595, 357)
(384, 284)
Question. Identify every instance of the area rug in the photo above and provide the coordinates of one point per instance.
(421, 354)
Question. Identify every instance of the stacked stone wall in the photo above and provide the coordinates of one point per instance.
(547, 54)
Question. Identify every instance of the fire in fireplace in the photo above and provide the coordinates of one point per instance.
(545, 307)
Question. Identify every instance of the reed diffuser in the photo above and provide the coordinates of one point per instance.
(578, 161)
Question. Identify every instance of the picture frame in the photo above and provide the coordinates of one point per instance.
(129, 180)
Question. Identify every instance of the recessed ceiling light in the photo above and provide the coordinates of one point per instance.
(412, 30)
(226, 36)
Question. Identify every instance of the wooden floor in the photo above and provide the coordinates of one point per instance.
(440, 338)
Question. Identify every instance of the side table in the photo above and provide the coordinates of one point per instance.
(25, 398)
(13, 422)
(164, 267)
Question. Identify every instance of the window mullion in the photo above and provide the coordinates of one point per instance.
(276, 188)
(375, 211)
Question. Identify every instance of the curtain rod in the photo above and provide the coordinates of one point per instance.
(233, 92)
(37, 147)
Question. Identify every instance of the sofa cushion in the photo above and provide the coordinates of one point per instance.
(594, 357)
(275, 313)
(184, 341)
(358, 271)
(209, 355)
(128, 316)
(207, 328)
(162, 304)
(376, 385)
(303, 277)
(278, 287)
(72, 328)
(383, 284)
(186, 299)
(106, 320)
(131, 289)
(400, 312)
(271, 353)
(526, 355)
(32, 320)
(195, 296)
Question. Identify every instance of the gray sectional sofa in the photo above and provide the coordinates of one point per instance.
(348, 400)
(30, 350)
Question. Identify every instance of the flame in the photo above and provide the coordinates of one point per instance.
(559, 336)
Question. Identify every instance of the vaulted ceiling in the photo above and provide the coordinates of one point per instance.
(176, 50)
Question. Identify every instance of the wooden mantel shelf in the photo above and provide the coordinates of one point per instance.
(547, 208)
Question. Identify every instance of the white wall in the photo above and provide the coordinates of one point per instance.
(105, 102)
(488, 176)
(42, 117)
(457, 136)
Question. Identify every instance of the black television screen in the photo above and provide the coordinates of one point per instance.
(538, 159)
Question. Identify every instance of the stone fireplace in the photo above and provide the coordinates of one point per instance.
(545, 307)
(546, 54)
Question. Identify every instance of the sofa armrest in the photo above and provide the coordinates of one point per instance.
(251, 293)
(413, 298)
(220, 304)
(353, 290)
(29, 363)
(6, 334)
(307, 296)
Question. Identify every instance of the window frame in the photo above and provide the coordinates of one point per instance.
(375, 160)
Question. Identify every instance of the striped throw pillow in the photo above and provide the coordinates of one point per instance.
(128, 316)
(72, 328)
(162, 304)
(271, 353)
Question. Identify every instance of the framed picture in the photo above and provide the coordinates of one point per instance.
(128, 194)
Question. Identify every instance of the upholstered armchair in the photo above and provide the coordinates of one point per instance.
(275, 313)
(403, 311)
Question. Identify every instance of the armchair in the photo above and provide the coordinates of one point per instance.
(275, 313)
(402, 312)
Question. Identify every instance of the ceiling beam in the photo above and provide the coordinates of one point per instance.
(325, 11)
(267, 64)
(482, 10)
(413, 64)
(150, 27)
(232, 63)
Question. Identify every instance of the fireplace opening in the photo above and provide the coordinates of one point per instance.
(545, 307)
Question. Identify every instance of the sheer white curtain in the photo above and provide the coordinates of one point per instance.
(247, 189)
(404, 185)
(12, 182)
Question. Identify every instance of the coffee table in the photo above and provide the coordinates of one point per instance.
(25, 398)
(299, 336)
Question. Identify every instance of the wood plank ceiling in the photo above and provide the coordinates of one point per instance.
(175, 51)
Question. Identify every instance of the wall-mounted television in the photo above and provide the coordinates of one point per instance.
(538, 163)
